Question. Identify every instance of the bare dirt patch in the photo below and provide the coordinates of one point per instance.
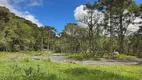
(63, 58)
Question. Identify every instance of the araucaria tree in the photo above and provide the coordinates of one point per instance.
(92, 18)
(120, 16)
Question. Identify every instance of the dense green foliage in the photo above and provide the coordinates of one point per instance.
(107, 31)
(18, 34)
(109, 35)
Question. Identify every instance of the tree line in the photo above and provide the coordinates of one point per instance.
(106, 32)
(18, 34)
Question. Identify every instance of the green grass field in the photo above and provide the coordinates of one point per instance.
(29, 69)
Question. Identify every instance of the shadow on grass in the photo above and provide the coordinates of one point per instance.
(49, 77)
(94, 74)
(43, 77)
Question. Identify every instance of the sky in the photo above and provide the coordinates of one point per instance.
(56, 13)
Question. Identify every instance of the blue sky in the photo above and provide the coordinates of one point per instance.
(56, 13)
(138, 1)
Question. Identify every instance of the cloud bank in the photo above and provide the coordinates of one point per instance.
(79, 12)
(11, 5)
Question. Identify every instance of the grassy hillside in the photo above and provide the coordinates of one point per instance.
(18, 34)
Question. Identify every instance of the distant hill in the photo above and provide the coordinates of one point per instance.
(16, 33)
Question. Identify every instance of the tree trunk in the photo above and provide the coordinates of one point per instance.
(91, 40)
(41, 44)
(121, 36)
(111, 34)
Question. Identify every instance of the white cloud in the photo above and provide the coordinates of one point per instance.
(35, 3)
(79, 11)
(134, 27)
(80, 14)
(25, 14)
(82, 24)
(17, 1)
(138, 19)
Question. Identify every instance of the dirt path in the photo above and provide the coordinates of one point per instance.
(63, 58)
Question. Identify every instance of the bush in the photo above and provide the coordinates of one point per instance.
(26, 59)
(33, 74)
(38, 54)
(49, 60)
(98, 59)
(29, 73)
(76, 56)
(123, 56)
(80, 56)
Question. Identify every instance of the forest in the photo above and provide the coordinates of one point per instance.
(106, 31)
(108, 35)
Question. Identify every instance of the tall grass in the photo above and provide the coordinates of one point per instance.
(79, 56)
(21, 70)
(30, 69)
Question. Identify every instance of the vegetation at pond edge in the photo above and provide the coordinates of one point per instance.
(78, 56)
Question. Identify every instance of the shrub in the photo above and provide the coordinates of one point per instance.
(123, 56)
(33, 74)
(26, 59)
(38, 54)
(49, 60)
(76, 56)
